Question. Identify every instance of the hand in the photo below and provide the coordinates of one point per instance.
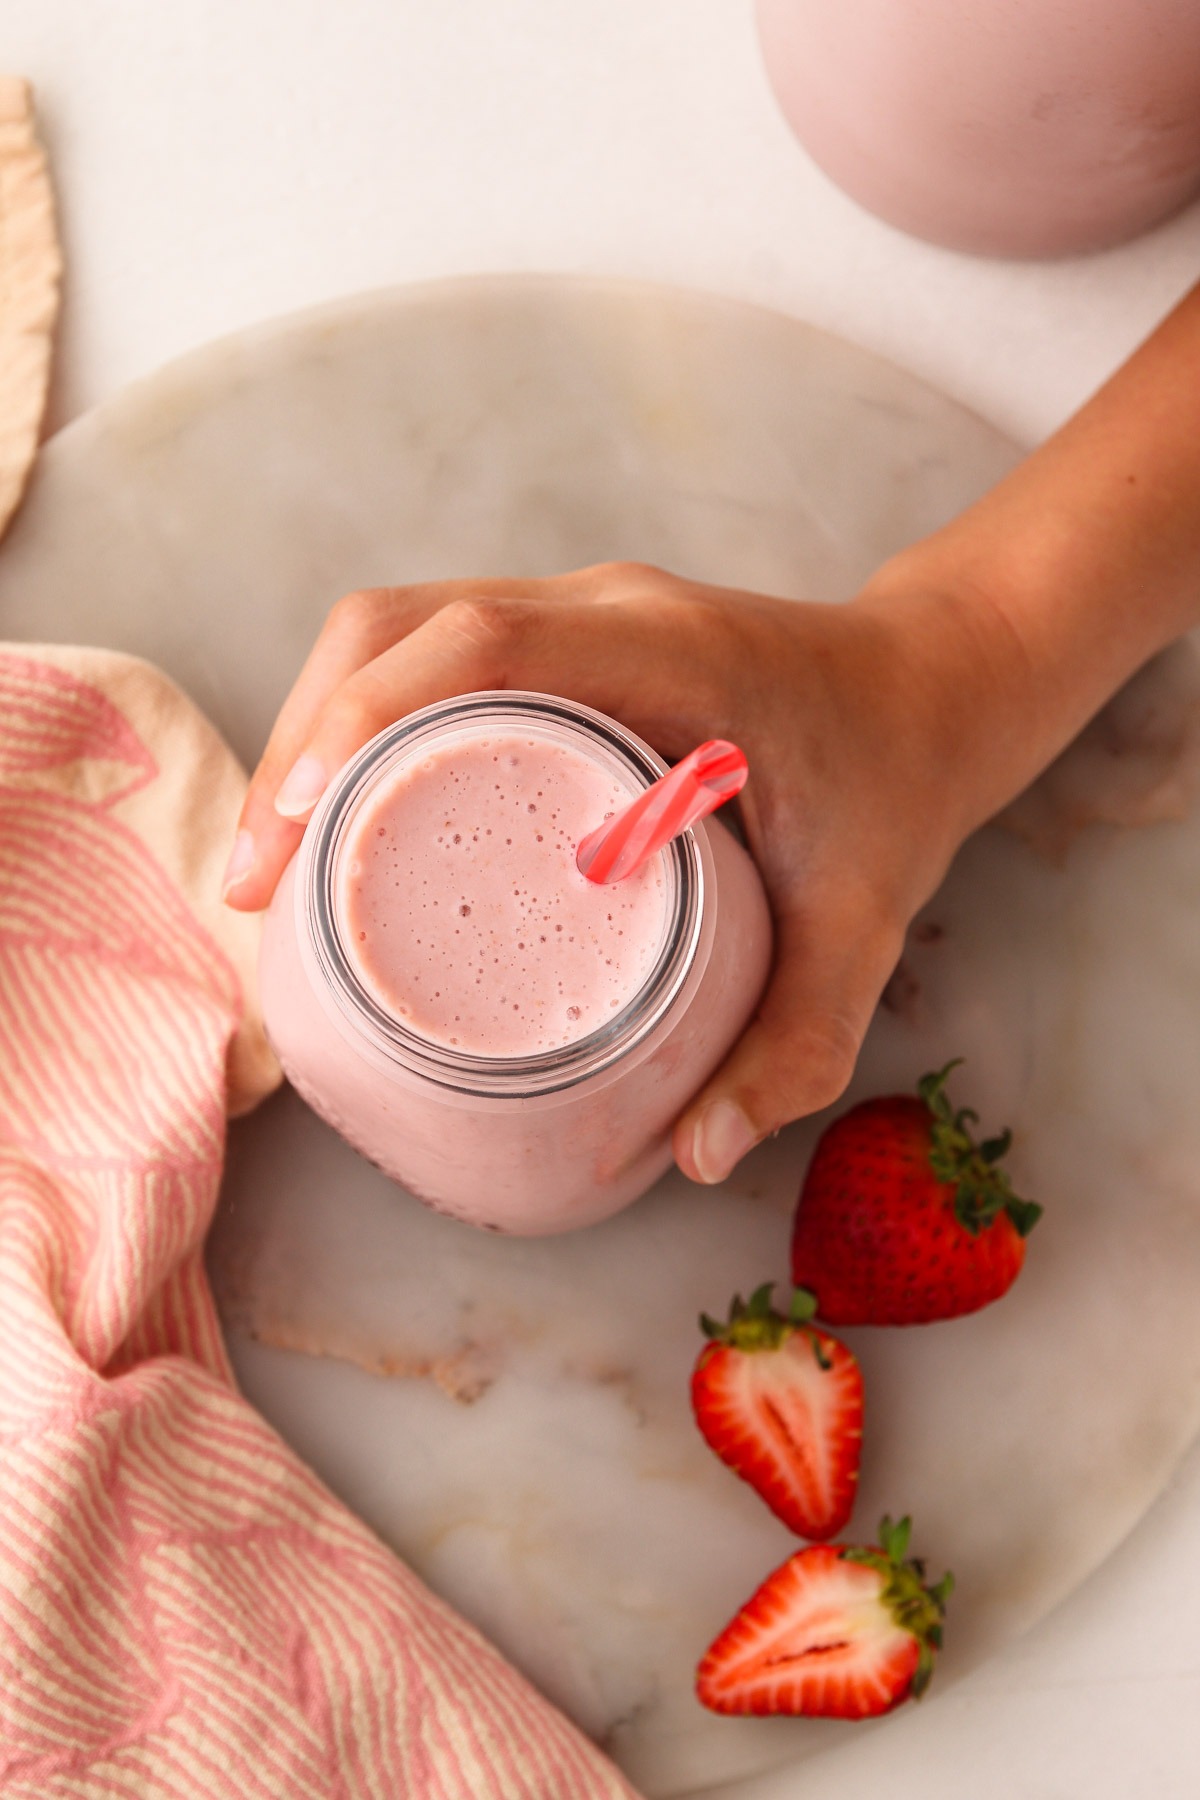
(862, 724)
(879, 733)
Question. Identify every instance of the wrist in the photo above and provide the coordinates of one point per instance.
(966, 678)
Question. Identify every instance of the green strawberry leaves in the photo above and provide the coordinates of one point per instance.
(982, 1190)
(754, 1324)
(916, 1607)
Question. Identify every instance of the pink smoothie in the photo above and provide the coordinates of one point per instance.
(1006, 127)
(507, 1040)
(465, 914)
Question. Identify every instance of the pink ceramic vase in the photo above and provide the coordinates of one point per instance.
(1004, 127)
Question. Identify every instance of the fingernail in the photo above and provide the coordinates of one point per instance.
(722, 1137)
(302, 787)
(241, 861)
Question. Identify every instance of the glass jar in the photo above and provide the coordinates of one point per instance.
(540, 1137)
(1004, 127)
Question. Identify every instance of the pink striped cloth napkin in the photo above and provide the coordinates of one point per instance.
(184, 1609)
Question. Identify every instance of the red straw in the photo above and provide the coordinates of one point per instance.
(696, 786)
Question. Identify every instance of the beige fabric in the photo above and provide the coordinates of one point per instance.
(185, 1613)
(30, 273)
(186, 804)
(180, 789)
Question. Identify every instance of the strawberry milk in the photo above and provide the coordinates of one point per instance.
(465, 914)
(508, 1040)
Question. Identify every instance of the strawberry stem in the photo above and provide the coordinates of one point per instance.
(915, 1607)
(754, 1324)
(803, 1307)
(982, 1190)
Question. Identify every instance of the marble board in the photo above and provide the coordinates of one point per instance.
(512, 1416)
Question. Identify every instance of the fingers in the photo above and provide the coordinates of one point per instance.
(357, 629)
(626, 659)
(601, 655)
(466, 645)
(361, 627)
(798, 1054)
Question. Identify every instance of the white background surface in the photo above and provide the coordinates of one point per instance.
(221, 161)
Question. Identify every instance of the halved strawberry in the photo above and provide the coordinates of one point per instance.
(836, 1632)
(782, 1403)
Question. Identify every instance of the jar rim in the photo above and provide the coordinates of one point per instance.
(360, 1012)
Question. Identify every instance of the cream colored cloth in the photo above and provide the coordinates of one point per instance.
(30, 273)
(186, 1613)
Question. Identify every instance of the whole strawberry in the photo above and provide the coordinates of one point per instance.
(903, 1218)
(836, 1632)
(782, 1404)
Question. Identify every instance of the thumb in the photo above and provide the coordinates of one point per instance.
(798, 1053)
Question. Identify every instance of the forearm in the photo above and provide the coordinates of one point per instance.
(1086, 559)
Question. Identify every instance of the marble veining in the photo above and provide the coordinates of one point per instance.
(512, 1415)
(1137, 763)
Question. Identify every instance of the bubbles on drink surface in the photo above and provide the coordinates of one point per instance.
(468, 914)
